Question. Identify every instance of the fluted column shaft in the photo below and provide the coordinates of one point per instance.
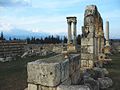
(107, 30)
(74, 33)
(69, 33)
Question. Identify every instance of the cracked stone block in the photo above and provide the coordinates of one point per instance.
(49, 71)
(32, 87)
(47, 74)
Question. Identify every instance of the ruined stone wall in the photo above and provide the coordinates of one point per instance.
(54, 73)
(92, 41)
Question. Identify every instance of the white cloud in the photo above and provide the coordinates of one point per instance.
(12, 3)
(4, 26)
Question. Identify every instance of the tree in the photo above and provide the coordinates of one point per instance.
(65, 40)
(79, 39)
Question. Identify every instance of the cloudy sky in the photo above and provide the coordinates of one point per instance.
(49, 16)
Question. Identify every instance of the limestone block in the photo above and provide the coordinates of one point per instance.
(47, 74)
(32, 87)
(87, 64)
(73, 87)
(100, 72)
(66, 82)
(46, 88)
(71, 48)
(75, 77)
(90, 49)
(74, 63)
(87, 41)
(93, 84)
(85, 56)
(57, 49)
(64, 70)
(105, 82)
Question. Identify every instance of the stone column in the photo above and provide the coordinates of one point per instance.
(69, 32)
(107, 30)
(107, 33)
(74, 32)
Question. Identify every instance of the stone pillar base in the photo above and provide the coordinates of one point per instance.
(71, 48)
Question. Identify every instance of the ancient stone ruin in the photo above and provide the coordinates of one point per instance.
(73, 70)
(72, 45)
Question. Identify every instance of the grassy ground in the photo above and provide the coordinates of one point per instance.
(13, 75)
(114, 70)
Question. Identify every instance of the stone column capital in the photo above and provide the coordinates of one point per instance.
(75, 22)
(69, 22)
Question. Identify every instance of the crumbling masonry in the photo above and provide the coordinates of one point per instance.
(78, 71)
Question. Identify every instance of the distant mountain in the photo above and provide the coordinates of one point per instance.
(22, 34)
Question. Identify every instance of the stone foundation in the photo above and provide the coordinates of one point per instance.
(51, 73)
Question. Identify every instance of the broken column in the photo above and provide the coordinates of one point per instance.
(107, 33)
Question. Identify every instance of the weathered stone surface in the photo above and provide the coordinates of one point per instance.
(46, 88)
(32, 87)
(93, 84)
(57, 49)
(66, 82)
(71, 48)
(105, 82)
(87, 64)
(90, 49)
(74, 63)
(48, 72)
(87, 41)
(73, 87)
(85, 56)
(64, 70)
(75, 77)
(100, 72)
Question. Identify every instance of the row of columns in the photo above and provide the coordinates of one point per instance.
(72, 21)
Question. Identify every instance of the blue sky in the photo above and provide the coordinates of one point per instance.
(49, 16)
